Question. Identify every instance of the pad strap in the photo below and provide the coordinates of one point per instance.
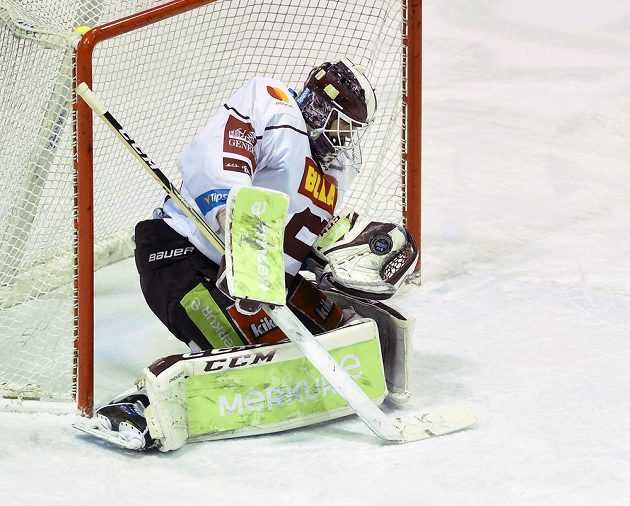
(395, 332)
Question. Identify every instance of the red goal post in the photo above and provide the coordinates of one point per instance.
(86, 144)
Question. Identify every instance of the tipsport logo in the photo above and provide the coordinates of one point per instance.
(209, 200)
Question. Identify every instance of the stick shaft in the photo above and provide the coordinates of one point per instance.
(97, 106)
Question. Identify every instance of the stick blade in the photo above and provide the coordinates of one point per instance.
(440, 421)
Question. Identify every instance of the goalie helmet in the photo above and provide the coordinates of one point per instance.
(337, 103)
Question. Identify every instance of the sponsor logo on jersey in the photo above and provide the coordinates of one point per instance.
(171, 253)
(277, 93)
(211, 199)
(235, 165)
(242, 138)
(239, 138)
(315, 186)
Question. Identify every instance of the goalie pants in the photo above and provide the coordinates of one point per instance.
(178, 283)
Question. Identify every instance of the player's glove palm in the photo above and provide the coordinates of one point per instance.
(362, 258)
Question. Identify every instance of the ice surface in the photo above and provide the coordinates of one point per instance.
(524, 312)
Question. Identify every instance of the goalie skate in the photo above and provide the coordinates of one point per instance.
(110, 436)
(121, 423)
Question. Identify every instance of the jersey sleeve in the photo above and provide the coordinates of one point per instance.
(221, 156)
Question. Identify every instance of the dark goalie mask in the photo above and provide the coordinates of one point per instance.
(337, 103)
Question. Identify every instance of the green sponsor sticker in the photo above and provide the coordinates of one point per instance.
(256, 245)
(208, 317)
(334, 234)
(271, 393)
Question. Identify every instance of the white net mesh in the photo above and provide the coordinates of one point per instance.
(162, 82)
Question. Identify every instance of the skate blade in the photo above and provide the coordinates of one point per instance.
(109, 436)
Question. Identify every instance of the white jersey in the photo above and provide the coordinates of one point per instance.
(258, 138)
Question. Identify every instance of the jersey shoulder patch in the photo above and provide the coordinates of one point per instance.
(239, 139)
(276, 94)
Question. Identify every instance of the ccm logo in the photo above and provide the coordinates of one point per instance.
(178, 252)
(240, 360)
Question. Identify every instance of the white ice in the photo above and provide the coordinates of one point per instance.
(524, 311)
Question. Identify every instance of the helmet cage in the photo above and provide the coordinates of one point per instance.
(330, 130)
(339, 134)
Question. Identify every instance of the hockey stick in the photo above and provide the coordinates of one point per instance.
(402, 429)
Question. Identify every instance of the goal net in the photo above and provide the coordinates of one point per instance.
(163, 80)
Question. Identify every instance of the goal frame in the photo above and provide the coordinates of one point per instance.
(83, 366)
